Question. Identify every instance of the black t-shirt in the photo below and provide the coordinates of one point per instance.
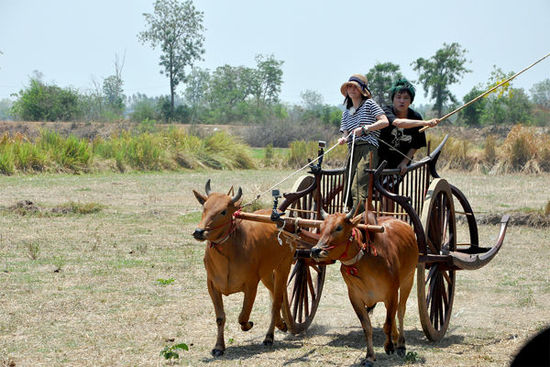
(401, 139)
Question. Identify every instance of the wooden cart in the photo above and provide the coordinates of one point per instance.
(421, 197)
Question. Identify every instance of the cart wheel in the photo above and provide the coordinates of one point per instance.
(306, 279)
(302, 183)
(301, 299)
(435, 282)
(469, 213)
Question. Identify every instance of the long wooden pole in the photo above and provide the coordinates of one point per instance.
(487, 92)
(310, 223)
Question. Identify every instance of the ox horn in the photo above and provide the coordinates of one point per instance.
(207, 188)
(238, 196)
(324, 214)
(351, 212)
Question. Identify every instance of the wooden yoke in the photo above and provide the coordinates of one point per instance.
(291, 223)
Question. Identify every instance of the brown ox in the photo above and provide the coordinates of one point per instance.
(238, 255)
(373, 272)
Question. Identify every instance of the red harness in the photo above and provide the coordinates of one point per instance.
(230, 230)
(366, 247)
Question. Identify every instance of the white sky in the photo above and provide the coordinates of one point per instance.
(73, 42)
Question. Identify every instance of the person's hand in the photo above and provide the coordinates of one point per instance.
(358, 131)
(433, 122)
(342, 141)
(402, 167)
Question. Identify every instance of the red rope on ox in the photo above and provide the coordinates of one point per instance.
(229, 231)
(368, 245)
(237, 213)
(350, 269)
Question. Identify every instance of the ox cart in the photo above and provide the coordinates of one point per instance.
(420, 197)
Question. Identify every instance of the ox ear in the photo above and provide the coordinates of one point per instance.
(200, 197)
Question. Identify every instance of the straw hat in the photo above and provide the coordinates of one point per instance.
(360, 81)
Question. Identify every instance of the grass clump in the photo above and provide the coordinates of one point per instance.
(78, 208)
(145, 150)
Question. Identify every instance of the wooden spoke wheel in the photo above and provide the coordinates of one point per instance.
(436, 280)
(300, 301)
(306, 279)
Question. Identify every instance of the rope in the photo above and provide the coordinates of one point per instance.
(349, 173)
(487, 92)
(316, 159)
(293, 173)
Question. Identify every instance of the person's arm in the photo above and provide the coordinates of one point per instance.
(381, 122)
(405, 162)
(407, 123)
(343, 139)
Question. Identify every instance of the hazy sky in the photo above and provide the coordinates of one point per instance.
(74, 42)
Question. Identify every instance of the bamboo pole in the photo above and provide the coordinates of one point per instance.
(309, 223)
(487, 92)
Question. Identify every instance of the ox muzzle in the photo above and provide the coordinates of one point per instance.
(319, 251)
(199, 234)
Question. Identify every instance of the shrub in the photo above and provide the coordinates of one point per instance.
(519, 148)
(282, 132)
(489, 151)
(41, 102)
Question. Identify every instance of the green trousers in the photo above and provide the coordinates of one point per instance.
(359, 177)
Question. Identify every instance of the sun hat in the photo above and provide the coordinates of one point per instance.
(360, 81)
(402, 85)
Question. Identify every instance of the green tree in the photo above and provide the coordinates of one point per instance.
(42, 102)
(195, 92)
(506, 105)
(113, 91)
(471, 115)
(229, 88)
(142, 108)
(540, 92)
(269, 79)
(5, 109)
(440, 71)
(311, 100)
(381, 77)
(176, 27)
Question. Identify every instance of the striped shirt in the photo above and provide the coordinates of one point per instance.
(365, 115)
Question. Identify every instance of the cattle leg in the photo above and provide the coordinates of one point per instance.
(217, 301)
(363, 316)
(269, 284)
(389, 324)
(248, 302)
(404, 292)
(280, 276)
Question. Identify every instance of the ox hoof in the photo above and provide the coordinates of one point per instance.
(245, 326)
(401, 351)
(389, 348)
(268, 341)
(282, 326)
(217, 352)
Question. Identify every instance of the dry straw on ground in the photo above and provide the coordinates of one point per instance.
(92, 295)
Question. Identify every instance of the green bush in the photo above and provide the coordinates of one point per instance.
(41, 102)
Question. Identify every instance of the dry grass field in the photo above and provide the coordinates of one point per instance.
(115, 286)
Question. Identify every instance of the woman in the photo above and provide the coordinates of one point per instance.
(402, 138)
(362, 117)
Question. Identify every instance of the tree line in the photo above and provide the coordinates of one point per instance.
(251, 95)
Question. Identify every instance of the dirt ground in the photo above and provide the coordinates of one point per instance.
(113, 288)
